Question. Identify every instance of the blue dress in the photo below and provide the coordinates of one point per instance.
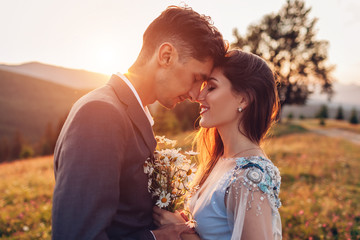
(239, 194)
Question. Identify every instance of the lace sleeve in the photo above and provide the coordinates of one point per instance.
(249, 210)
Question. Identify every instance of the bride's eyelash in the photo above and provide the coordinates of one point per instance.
(210, 88)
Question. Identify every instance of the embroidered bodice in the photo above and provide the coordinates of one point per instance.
(239, 192)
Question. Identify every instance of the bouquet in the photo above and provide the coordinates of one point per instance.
(170, 173)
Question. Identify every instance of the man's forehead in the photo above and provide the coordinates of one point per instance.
(204, 76)
(204, 68)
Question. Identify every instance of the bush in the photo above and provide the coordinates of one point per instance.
(26, 152)
(354, 118)
(340, 114)
(285, 129)
(290, 117)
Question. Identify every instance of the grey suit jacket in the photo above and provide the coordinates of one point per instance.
(101, 189)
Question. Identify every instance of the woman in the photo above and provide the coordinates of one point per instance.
(238, 196)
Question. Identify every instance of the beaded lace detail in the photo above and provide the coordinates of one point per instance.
(258, 175)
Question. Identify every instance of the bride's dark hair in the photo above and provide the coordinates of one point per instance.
(249, 75)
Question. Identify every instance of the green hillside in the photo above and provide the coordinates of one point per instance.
(28, 104)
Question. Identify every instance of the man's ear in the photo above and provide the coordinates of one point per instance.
(166, 54)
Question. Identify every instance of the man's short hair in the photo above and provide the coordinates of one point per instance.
(192, 34)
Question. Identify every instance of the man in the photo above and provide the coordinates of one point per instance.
(101, 189)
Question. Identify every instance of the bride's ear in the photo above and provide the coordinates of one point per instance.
(166, 54)
(243, 100)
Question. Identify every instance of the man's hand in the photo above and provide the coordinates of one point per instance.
(172, 231)
(162, 217)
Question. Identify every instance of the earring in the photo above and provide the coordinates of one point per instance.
(240, 109)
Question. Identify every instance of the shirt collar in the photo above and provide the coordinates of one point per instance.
(146, 109)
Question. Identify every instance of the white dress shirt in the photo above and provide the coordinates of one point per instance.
(146, 109)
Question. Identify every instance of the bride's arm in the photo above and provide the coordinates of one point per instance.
(249, 210)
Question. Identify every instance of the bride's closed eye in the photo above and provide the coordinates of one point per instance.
(210, 88)
(211, 85)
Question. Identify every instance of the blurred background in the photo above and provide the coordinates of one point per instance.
(53, 52)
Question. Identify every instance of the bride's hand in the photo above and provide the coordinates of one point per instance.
(162, 217)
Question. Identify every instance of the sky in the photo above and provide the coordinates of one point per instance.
(106, 35)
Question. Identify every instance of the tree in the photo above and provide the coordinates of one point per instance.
(4, 150)
(187, 113)
(323, 112)
(340, 113)
(50, 137)
(181, 118)
(165, 122)
(354, 118)
(286, 40)
(17, 145)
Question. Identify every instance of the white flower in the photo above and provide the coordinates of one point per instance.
(191, 223)
(163, 200)
(179, 160)
(160, 139)
(169, 174)
(163, 139)
(191, 172)
(165, 161)
(148, 169)
(175, 193)
(194, 190)
(162, 181)
(26, 228)
(149, 184)
(191, 153)
(156, 192)
(179, 184)
(171, 153)
(170, 142)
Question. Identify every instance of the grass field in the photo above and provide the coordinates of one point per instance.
(320, 189)
(329, 123)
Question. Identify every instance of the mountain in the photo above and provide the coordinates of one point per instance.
(74, 78)
(34, 94)
(28, 104)
(347, 95)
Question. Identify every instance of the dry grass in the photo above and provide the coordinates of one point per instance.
(26, 189)
(329, 123)
(320, 189)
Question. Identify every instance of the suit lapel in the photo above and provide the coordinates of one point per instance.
(134, 110)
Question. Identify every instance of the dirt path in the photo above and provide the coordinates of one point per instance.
(339, 133)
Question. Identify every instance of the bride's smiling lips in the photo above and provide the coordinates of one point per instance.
(203, 109)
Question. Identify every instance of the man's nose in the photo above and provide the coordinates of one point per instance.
(193, 96)
(201, 96)
(195, 91)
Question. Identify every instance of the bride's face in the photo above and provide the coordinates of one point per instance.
(219, 104)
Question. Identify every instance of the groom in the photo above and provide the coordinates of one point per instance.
(101, 189)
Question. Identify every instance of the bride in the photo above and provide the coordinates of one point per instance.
(239, 189)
